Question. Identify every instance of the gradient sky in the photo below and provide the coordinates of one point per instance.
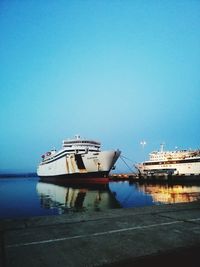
(115, 71)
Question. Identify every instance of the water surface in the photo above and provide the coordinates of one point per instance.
(23, 197)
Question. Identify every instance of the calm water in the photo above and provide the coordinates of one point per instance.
(22, 197)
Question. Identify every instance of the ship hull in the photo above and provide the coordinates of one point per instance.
(185, 167)
(89, 178)
(88, 167)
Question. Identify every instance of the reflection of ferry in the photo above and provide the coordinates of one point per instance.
(177, 162)
(78, 158)
(165, 193)
(72, 198)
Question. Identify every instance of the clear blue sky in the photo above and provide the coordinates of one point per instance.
(116, 71)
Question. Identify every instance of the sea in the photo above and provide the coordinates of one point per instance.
(29, 196)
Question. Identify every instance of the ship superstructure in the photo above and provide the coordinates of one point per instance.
(77, 158)
(177, 162)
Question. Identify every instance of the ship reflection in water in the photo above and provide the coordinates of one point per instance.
(72, 198)
(75, 198)
(169, 194)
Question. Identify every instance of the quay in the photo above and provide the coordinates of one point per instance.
(165, 235)
(123, 176)
(154, 177)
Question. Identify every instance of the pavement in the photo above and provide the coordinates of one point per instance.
(160, 235)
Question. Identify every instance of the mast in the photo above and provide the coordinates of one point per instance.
(162, 147)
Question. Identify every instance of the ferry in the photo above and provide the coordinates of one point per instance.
(78, 160)
(177, 162)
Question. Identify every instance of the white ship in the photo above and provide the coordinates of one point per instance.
(78, 158)
(177, 162)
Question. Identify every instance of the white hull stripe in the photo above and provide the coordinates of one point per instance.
(172, 162)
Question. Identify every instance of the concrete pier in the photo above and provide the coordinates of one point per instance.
(135, 237)
(154, 178)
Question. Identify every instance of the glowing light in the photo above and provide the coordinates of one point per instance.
(143, 143)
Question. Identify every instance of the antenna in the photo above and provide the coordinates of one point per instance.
(77, 136)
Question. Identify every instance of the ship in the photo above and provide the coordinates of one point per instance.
(79, 159)
(176, 162)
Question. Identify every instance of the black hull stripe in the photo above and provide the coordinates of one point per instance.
(52, 160)
(74, 176)
(63, 154)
